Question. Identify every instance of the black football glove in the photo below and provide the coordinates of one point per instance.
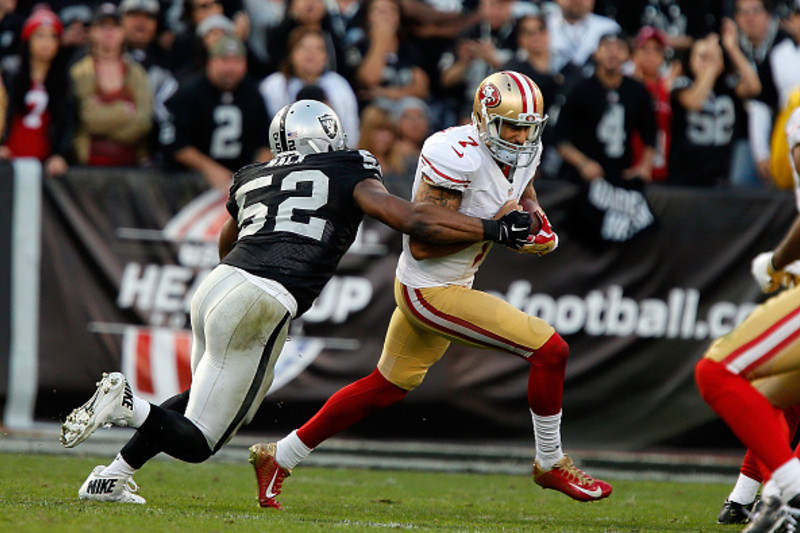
(511, 230)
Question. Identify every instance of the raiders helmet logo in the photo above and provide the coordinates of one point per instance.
(329, 125)
(490, 96)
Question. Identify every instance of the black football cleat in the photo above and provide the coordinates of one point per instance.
(735, 512)
(774, 516)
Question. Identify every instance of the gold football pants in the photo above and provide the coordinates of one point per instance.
(765, 348)
(427, 320)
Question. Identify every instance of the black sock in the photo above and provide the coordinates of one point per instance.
(795, 502)
(140, 448)
(176, 435)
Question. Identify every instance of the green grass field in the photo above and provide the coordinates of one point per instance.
(39, 493)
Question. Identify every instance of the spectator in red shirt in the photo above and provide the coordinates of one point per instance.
(38, 122)
(649, 68)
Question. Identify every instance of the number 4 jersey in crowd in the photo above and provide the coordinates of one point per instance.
(297, 217)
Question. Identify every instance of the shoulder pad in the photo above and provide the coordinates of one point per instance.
(361, 159)
(450, 158)
(246, 171)
(358, 164)
(369, 161)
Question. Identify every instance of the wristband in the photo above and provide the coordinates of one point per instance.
(491, 230)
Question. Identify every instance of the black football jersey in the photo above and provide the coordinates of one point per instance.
(600, 122)
(701, 140)
(228, 126)
(297, 217)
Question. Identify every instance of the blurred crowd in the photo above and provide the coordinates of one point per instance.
(690, 92)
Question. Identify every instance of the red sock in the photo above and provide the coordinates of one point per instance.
(546, 376)
(751, 466)
(348, 406)
(758, 424)
(792, 414)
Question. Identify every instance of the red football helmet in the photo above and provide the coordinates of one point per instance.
(512, 97)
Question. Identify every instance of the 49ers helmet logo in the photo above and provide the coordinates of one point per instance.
(329, 125)
(490, 96)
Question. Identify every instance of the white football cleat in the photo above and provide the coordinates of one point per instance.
(100, 488)
(111, 403)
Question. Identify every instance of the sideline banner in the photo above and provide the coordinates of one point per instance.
(123, 250)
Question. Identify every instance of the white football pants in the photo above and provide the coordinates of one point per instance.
(238, 331)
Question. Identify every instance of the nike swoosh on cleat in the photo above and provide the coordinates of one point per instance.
(269, 494)
(596, 493)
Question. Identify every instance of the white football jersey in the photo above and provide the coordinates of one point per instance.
(456, 159)
(793, 139)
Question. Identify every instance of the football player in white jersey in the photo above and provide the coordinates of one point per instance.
(474, 169)
(742, 500)
(751, 375)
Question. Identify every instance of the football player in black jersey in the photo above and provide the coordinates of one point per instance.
(292, 220)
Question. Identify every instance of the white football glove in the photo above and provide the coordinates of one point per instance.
(790, 280)
(543, 242)
(767, 278)
(791, 275)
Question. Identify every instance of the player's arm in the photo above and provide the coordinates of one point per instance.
(422, 221)
(227, 237)
(529, 193)
(512, 223)
(449, 200)
(788, 250)
(430, 222)
(768, 267)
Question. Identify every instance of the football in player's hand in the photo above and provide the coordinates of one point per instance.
(530, 206)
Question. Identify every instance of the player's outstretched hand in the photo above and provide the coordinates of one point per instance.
(544, 242)
(765, 275)
(512, 229)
